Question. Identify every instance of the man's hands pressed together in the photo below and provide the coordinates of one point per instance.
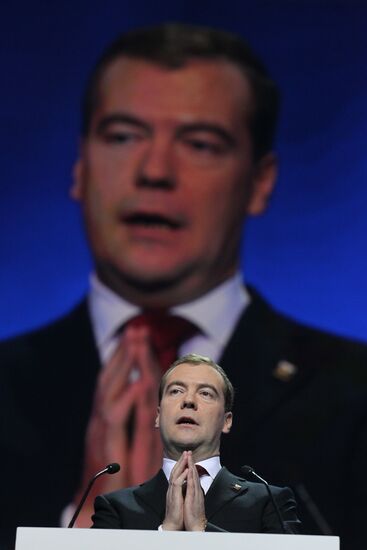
(184, 513)
(119, 401)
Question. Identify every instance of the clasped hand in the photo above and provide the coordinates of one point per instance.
(184, 513)
(117, 399)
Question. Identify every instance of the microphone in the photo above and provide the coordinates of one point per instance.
(247, 470)
(112, 468)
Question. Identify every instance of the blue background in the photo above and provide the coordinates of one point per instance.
(307, 254)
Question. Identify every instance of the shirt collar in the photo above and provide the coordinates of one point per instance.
(108, 310)
(215, 313)
(212, 466)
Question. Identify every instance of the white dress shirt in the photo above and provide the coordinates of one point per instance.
(215, 314)
(212, 465)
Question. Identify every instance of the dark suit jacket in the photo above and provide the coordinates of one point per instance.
(231, 504)
(307, 430)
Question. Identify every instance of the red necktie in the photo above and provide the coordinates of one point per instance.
(167, 332)
(201, 470)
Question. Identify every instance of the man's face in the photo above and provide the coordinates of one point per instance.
(191, 413)
(166, 177)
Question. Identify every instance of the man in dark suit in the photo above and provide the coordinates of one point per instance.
(176, 151)
(195, 409)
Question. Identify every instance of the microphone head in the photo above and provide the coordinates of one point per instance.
(247, 470)
(113, 468)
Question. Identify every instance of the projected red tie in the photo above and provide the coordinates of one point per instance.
(167, 332)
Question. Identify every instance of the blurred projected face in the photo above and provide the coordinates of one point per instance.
(166, 177)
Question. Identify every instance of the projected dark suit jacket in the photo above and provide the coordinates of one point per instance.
(299, 419)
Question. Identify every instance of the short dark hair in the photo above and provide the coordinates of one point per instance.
(171, 45)
(196, 359)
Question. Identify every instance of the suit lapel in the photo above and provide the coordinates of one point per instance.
(73, 355)
(223, 490)
(153, 493)
(256, 359)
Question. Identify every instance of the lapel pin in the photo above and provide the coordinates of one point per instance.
(236, 487)
(285, 371)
